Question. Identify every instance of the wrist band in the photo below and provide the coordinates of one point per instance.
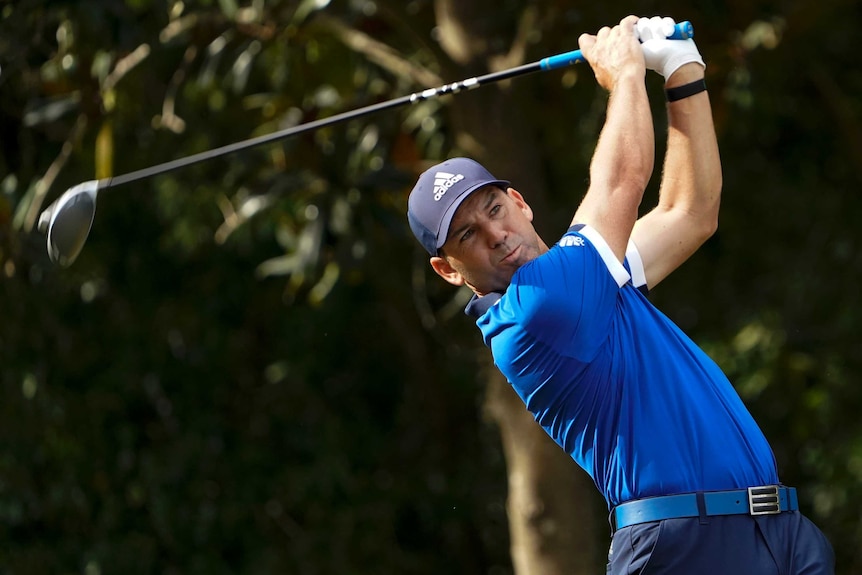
(686, 90)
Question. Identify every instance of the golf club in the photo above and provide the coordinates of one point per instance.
(68, 220)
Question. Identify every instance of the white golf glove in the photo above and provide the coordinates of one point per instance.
(663, 55)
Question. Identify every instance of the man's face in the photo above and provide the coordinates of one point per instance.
(490, 237)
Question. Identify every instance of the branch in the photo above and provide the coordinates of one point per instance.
(518, 50)
(459, 33)
(409, 24)
(168, 118)
(379, 53)
(45, 182)
(121, 68)
(124, 66)
(177, 27)
(247, 207)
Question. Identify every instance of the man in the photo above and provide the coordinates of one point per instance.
(689, 478)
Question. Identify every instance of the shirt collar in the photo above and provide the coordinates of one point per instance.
(478, 305)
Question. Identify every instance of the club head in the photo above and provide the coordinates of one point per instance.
(68, 221)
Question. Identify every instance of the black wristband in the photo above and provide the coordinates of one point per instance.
(686, 90)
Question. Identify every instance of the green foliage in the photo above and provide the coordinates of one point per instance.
(244, 372)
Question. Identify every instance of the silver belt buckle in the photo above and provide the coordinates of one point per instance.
(764, 500)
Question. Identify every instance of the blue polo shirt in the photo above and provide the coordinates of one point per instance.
(614, 382)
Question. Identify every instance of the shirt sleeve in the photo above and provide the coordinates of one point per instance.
(617, 270)
(635, 266)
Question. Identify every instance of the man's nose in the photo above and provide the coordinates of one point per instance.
(496, 234)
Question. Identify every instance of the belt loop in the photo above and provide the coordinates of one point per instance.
(701, 508)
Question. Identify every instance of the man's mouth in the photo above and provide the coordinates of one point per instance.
(511, 256)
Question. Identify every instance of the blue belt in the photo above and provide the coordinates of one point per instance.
(762, 500)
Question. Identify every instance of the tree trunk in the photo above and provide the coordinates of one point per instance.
(552, 504)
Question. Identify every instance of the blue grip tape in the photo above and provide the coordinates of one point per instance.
(682, 31)
(561, 60)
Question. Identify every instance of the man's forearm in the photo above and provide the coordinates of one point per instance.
(622, 165)
(625, 153)
(689, 197)
(692, 168)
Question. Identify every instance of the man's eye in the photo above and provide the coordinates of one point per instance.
(467, 235)
(495, 210)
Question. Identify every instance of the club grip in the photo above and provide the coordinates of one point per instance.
(681, 31)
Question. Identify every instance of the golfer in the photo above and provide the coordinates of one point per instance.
(690, 480)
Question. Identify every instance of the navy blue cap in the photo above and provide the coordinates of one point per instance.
(437, 195)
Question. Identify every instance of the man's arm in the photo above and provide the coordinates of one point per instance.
(687, 211)
(624, 156)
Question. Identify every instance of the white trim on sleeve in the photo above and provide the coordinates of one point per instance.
(636, 264)
(617, 269)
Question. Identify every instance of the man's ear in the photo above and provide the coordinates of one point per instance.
(446, 271)
(521, 203)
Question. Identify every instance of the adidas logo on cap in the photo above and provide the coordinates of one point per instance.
(443, 181)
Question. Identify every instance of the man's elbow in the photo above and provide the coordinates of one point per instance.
(710, 226)
(708, 218)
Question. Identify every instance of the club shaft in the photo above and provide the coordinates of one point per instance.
(452, 88)
(683, 31)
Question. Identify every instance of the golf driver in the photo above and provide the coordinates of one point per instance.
(68, 220)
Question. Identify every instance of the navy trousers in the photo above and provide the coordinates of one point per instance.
(784, 544)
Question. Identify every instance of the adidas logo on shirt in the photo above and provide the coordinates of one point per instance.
(444, 181)
(569, 241)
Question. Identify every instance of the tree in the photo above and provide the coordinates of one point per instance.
(249, 368)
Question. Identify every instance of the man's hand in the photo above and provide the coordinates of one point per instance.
(614, 53)
(663, 55)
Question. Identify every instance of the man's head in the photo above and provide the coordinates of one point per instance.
(437, 195)
(477, 229)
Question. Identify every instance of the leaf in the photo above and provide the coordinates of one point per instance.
(105, 150)
(229, 8)
(242, 66)
(46, 111)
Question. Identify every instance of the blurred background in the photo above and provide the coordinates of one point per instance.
(250, 368)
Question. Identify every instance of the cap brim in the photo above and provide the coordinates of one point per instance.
(446, 221)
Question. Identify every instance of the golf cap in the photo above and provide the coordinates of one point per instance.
(437, 195)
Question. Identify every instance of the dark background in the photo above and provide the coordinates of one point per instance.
(249, 369)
